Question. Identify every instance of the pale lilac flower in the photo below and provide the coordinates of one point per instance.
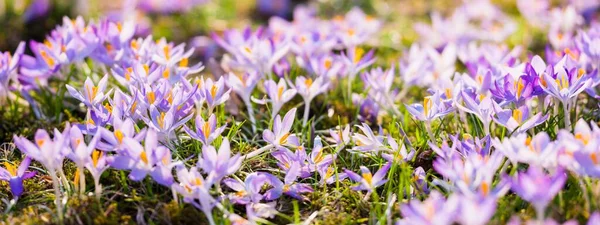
(368, 141)
(398, 154)
(278, 95)
(537, 187)
(15, 176)
(214, 92)
(309, 89)
(280, 135)
(291, 187)
(219, 164)
(340, 137)
(367, 181)
(538, 150)
(435, 210)
(206, 131)
(92, 95)
(518, 120)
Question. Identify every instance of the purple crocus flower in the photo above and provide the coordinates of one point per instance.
(280, 135)
(150, 159)
(15, 176)
(484, 206)
(214, 92)
(92, 95)
(219, 164)
(432, 108)
(482, 107)
(340, 137)
(368, 141)
(291, 187)
(367, 181)
(537, 187)
(398, 154)
(8, 65)
(519, 119)
(278, 95)
(434, 210)
(309, 89)
(537, 150)
(206, 131)
(318, 158)
(249, 191)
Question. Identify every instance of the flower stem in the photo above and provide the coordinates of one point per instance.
(57, 195)
(567, 115)
(306, 111)
(81, 182)
(97, 188)
(258, 151)
(429, 132)
(250, 113)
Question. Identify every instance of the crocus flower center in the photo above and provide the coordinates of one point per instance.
(166, 73)
(167, 50)
(206, 129)
(308, 82)
(133, 106)
(119, 135)
(351, 32)
(426, 105)
(144, 157)
(562, 82)
(284, 138)
(319, 157)
(49, 61)
(151, 97)
(583, 138)
(580, 72)
(448, 93)
(183, 62)
(520, 87)
(327, 63)
(594, 158)
(146, 68)
(248, 50)
(95, 157)
(108, 107)
(241, 193)
(40, 142)
(134, 44)
(485, 188)
(279, 92)
(213, 91)
(92, 92)
(286, 188)
(11, 169)
(161, 120)
(358, 54)
(128, 73)
(517, 115)
(119, 26)
(329, 173)
(368, 177)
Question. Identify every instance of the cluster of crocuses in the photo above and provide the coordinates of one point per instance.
(137, 123)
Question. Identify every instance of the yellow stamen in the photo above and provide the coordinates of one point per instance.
(426, 105)
(279, 92)
(40, 142)
(520, 87)
(183, 62)
(248, 50)
(166, 73)
(144, 157)
(283, 139)
(517, 115)
(580, 72)
(594, 157)
(11, 169)
(206, 129)
(48, 43)
(213, 91)
(485, 188)
(95, 157)
(319, 157)
(583, 138)
(151, 97)
(49, 61)
(308, 82)
(448, 93)
(128, 73)
(161, 120)
(327, 63)
(134, 44)
(368, 177)
(146, 68)
(358, 54)
(119, 26)
(166, 50)
(119, 135)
